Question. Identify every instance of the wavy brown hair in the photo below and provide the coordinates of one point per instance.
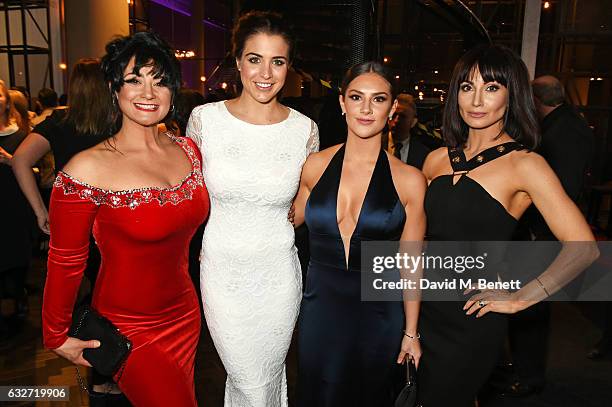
(89, 100)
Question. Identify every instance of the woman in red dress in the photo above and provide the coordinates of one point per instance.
(143, 195)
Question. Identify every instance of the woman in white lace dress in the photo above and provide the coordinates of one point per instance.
(253, 151)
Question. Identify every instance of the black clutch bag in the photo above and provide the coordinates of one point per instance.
(114, 347)
(408, 395)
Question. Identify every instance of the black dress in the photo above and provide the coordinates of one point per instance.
(460, 351)
(17, 218)
(347, 348)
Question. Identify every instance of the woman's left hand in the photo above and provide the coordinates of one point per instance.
(503, 302)
(410, 350)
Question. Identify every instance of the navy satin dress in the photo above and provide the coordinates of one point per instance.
(347, 348)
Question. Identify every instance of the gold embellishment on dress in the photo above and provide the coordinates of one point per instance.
(456, 159)
(480, 158)
(501, 149)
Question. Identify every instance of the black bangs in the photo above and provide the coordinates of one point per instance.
(146, 58)
(499, 64)
(494, 66)
(147, 49)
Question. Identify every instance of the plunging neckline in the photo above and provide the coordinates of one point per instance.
(347, 253)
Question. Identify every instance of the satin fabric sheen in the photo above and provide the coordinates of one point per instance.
(143, 286)
(347, 348)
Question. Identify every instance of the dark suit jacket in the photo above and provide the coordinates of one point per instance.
(421, 144)
(567, 146)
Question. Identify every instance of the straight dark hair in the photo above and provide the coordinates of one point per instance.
(499, 64)
(368, 67)
(90, 103)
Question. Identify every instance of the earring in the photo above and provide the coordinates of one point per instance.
(343, 113)
(171, 108)
(390, 117)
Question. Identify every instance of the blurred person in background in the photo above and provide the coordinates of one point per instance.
(15, 234)
(65, 132)
(185, 101)
(409, 140)
(47, 102)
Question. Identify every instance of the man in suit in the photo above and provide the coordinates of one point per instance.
(409, 140)
(567, 144)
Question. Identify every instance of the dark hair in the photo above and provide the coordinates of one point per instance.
(368, 67)
(261, 22)
(90, 102)
(147, 49)
(500, 64)
(184, 102)
(47, 98)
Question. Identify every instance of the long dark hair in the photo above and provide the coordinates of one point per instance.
(147, 49)
(90, 103)
(500, 64)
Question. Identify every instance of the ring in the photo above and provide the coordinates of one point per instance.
(482, 303)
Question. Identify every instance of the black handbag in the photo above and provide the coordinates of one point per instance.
(114, 347)
(408, 395)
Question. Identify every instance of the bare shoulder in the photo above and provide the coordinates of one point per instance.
(316, 163)
(527, 163)
(409, 181)
(435, 160)
(89, 165)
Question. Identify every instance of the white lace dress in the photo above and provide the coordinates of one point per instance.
(250, 274)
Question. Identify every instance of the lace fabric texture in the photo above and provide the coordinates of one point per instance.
(250, 272)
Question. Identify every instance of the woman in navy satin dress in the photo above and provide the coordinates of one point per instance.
(351, 193)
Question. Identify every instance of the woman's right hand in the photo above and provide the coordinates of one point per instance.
(73, 348)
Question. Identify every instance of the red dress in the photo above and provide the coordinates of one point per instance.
(143, 286)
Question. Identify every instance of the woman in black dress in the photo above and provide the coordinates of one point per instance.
(479, 187)
(15, 233)
(353, 193)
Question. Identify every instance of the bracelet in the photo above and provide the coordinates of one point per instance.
(418, 335)
(542, 285)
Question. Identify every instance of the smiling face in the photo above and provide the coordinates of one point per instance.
(482, 104)
(263, 66)
(143, 99)
(367, 102)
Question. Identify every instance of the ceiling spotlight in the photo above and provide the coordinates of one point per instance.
(385, 59)
(592, 79)
(63, 66)
(416, 87)
(202, 78)
(396, 76)
(436, 71)
(435, 89)
(547, 4)
(224, 85)
(600, 79)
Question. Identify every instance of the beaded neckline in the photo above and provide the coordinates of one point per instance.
(132, 198)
